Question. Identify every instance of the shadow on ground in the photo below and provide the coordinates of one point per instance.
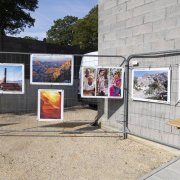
(66, 124)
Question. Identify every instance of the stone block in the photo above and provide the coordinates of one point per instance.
(135, 21)
(134, 3)
(155, 16)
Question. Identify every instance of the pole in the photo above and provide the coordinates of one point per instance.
(126, 97)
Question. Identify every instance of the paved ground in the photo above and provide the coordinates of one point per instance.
(170, 171)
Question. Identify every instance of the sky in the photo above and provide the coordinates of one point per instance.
(47, 58)
(142, 73)
(14, 73)
(50, 10)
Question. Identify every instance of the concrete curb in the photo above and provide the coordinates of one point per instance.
(150, 174)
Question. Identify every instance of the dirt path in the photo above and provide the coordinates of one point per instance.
(93, 155)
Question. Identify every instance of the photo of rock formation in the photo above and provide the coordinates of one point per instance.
(151, 84)
(50, 105)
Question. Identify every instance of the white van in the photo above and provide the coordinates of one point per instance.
(87, 61)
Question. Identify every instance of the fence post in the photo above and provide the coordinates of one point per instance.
(126, 91)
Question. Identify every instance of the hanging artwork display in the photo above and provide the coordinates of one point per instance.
(151, 85)
(50, 105)
(102, 82)
(51, 69)
(11, 78)
(116, 82)
(88, 82)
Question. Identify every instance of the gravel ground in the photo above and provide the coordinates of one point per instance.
(52, 153)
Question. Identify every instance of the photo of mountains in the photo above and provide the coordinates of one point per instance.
(51, 69)
(151, 85)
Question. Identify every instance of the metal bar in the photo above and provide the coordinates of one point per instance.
(62, 131)
(125, 125)
(159, 142)
(155, 54)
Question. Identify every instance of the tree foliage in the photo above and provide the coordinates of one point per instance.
(31, 38)
(73, 31)
(15, 15)
(62, 31)
(86, 31)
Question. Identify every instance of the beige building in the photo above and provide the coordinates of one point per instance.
(141, 26)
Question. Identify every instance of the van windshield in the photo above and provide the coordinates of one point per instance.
(90, 61)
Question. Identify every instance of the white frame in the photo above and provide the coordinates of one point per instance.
(52, 83)
(82, 85)
(179, 85)
(105, 67)
(62, 105)
(14, 92)
(122, 84)
(150, 100)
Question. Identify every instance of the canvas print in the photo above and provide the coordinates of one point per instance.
(11, 78)
(88, 81)
(116, 82)
(51, 69)
(151, 85)
(50, 105)
(102, 82)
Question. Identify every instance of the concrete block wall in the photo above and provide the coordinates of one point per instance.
(139, 26)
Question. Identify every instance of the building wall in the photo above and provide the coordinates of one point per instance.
(139, 26)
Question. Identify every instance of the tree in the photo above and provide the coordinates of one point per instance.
(73, 31)
(62, 31)
(15, 16)
(86, 31)
(31, 38)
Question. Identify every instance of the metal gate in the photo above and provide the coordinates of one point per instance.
(150, 120)
(19, 111)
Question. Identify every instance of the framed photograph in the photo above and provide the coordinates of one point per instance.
(51, 69)
(11, 78)
(151, 85)
(102, 82)
(50, 104)
(116, 78)
(88, 82)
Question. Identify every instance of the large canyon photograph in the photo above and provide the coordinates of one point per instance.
(52, 69)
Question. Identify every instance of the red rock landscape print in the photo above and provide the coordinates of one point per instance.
(52, 69)
(50, 105)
